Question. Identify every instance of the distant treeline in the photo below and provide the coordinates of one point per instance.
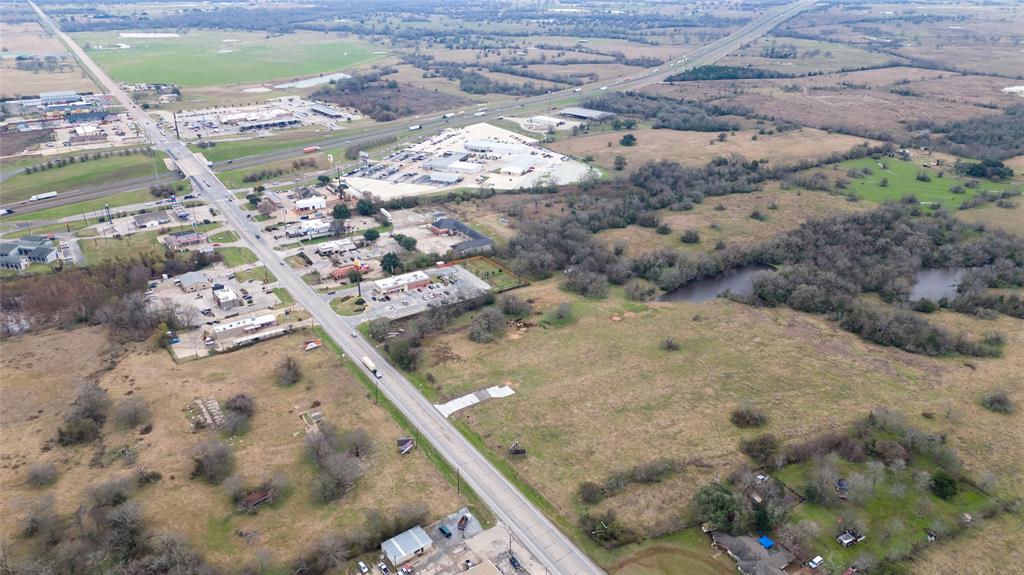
(669, 113)
(725, 73)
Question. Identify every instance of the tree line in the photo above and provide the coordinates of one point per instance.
(669, 113)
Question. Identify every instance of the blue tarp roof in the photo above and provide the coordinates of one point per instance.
(765, 541)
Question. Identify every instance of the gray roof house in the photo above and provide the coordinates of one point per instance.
(751, 556)
(405, 546)
(193, 281)
(20, 253)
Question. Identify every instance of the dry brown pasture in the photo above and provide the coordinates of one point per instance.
(699, 148)
(733, 224)
(865, 102)
(600, 395)
(16, 82)
(28, 38)
(37, 386)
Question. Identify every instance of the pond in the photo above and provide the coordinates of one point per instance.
(739, 281)
(936, 283)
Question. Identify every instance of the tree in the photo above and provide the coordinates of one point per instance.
(212, 461)
(323, 179)
(718, 505)
(288, 372)
(563, 311)
(620, 163)
(341, 212)
(354, 277)
(487, 326)
(944, 485)
(515, 306)
(998, 401)
(763, 449)
(371, 235)
(690, 237)
(628, 140)
(408, 243)
(748, 415)
(365, 207)
(390, 262)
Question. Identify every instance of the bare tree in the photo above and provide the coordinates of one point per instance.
(132, 412)
(212, 460)
(288, 372)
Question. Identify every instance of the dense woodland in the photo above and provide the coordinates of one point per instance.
(669, 113)
(724, 73)
(384, 100)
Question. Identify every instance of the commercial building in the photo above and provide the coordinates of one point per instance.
(193, 282)
(495, 146)
(445, 178)
(585, 113)
(153, 220)
(59, 97)
(309, 229)
(475, 243)
(342, 246)
(226, 298)
(268, 123)
(328, 111)
(311, 203)
(405, 546)
(518, 165)
(182, 240)
(27, 250)
(402, 283)
(247, 325)
(544, 122)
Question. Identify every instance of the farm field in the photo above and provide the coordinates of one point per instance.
(902, 176)
(29, 39)
(727, 219)
(698, 148)
(586, 391)
(79, 175)
(220, 58)
(275, 443)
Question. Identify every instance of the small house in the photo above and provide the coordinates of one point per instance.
(404, 546)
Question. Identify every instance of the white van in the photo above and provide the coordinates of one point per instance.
(816, 562)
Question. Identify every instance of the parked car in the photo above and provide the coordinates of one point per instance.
(384, 569)
(816, 562)
(516, 564)
(363, 568)
(445, 531)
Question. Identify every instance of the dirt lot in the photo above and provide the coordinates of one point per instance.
(24, 83)
(591, 396)
(274, 444)
(698, 148)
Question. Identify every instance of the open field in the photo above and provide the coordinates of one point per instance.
(895, 97)
(232, 149)
(497, 277)
(733, 224)
(811, 56)
(275, 443)
(902, 177)
(29, 39)
(70, 210)
(234, 257)
(688, 551)
(219, 58)
(23, 83)
(698, 148)
(102, 249)
(79, 175)
(590, 396)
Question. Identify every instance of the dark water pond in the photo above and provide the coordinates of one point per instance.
(936, 283)
(738, 280)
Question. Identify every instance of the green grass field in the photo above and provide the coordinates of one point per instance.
(256, 274)
(213, 60)
(237, 149)
(234, 257)
(902, 177)
(79, 175)
(499, 278)
(227, 236)
(102, 249)
(70, 210)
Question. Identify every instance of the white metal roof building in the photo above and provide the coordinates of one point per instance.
(585, 113)
(445, 177)
(493, 146)
(315, 202)
(248, 324)
(405, 546)
(341, 246)
(401, 283)
(518, 165)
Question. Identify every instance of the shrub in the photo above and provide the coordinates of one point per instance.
(588, 284)
(42, 520)
(670, 344)
(288, 372)
(241, 404)
(235, 424)
(487, 326)
(747, 416)
(591, 493)
(132, 412)
(563, 311)
(925, 305)
(944, 485)
(998, 401)
(628, 140)
(212, 461)
(640, 290)
(762, 449)
(690, 237)
(606, 530)
(41, 474)
(515, 306)
(718, 505)
(112, 492)
(663, 230)
(84, 419)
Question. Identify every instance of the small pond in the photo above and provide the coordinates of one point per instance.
(936, 283)
(739, 281)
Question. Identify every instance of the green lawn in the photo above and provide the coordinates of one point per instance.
(902, 177)
(499, 278)
(285, 296)
(896, 513)
(258, 146)
(79, 175)
(227, 236)
(101, 249)
(116, 201)
(248, 57)
(256, 274)
(234, 257)
(347, 306)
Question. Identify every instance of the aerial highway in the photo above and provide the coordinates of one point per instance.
(528, 523)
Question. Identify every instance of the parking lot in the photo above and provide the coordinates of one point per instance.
(276, 113)
(451, 285)
(252, 296)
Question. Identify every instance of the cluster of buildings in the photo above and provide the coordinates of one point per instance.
(475, 242)
(27, 250)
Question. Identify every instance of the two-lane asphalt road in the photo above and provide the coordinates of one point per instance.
(529, 525)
